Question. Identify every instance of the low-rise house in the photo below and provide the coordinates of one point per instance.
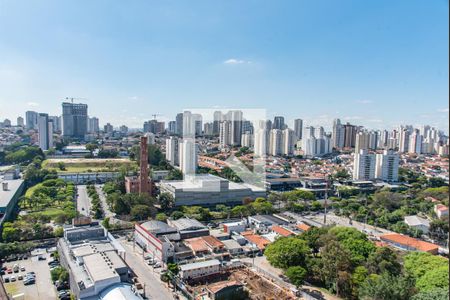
(281, 231)
(303, 227)
(418, 223)
(407, 243)
(233, 247)
(199, 269)
(255, 240)
(234, 226)
(441, 211)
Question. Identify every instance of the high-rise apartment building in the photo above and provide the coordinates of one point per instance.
(31, 119)
(179, 124)
(338, 134)
(172, 127)
(350, 135)
(261, 144)
(315, 142)
(198, 123)
(386, 167)
(298, 128)
(217, 119)
(247, 140)
(278, 123)
(74, 120)
(56, 123)
(20, 122)
(415, 142)
(288, 142)
(225, 134)
(93, 125)
(364, 165)
(208, 129)
(172, 150)
(276, 142)
(188, 156)
(403, 141)
(45, 132)
(108, 128)
(236, 118)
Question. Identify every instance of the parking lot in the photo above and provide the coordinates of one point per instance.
(42, 289)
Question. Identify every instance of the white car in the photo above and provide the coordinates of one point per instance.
(13, 278)
(157, 265)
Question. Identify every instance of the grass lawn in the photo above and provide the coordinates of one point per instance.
(82, 165)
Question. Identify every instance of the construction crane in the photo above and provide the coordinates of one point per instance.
(74, 98)
(155, 115)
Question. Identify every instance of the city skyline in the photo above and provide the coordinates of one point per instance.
(380, 60)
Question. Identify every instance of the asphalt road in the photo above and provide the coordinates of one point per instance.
(83, 200)
(102, 196)
(154, 288)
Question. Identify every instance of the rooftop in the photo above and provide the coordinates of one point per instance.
(157, 227)
(6, 196)
(282, 231)
(410, 242)
(187, 224)
(200, 264)
(416, 221)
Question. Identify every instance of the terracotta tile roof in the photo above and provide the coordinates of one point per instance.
(258, 240)
(196, 244)
(410, 242)
(282, 231)
(303, 227)
(212, 241)
(441, 207)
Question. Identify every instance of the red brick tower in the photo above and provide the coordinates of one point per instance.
(144, 182)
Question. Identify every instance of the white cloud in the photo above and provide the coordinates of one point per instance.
(443, 110)
(375, 121)
(234, 61)
(364, 101)
(33, 104)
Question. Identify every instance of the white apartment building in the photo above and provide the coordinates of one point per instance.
(247, 140)
(386, 167)
(288, 142)
(276, 142)
(172, 151)
(45, 132)
(261, 144)
(364, 165)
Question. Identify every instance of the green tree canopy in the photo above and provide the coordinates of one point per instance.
(286, 252)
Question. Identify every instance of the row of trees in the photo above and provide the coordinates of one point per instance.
(345, 262)
(97, 209)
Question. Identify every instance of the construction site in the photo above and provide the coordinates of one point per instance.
(257, 286)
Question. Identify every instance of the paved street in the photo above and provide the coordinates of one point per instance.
(154, 288)
(83, 200)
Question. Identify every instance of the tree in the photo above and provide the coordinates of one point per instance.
(312, 237)
(359, 276)
(355, 241)
(166, 201)
(10, 233)
(435, 294)
(106, 223)
(434, 278)
(296, 275)
(286, 252)
(384, 260)
(58, 231)
(336, 261)
(387, 287)
(173, 268)
(141, 212)
(177, 215)
(162, 217)
(239, 211)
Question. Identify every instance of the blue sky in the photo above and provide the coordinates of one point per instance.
(373, 63)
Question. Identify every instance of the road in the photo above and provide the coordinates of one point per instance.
(83, 200)
(154, 288)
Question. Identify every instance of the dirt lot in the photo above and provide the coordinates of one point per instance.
(259, 287)
(43, 289)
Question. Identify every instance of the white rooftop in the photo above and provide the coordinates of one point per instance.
(416, 220)
(200, 264)
(6, 196)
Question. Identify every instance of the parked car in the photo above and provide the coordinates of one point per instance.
(13, 278)
(16, 268)
(6, 279)
(31, 273)
(20, 277)
(157, 265)
(9, 270)
(22, 268)
(28, 281)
